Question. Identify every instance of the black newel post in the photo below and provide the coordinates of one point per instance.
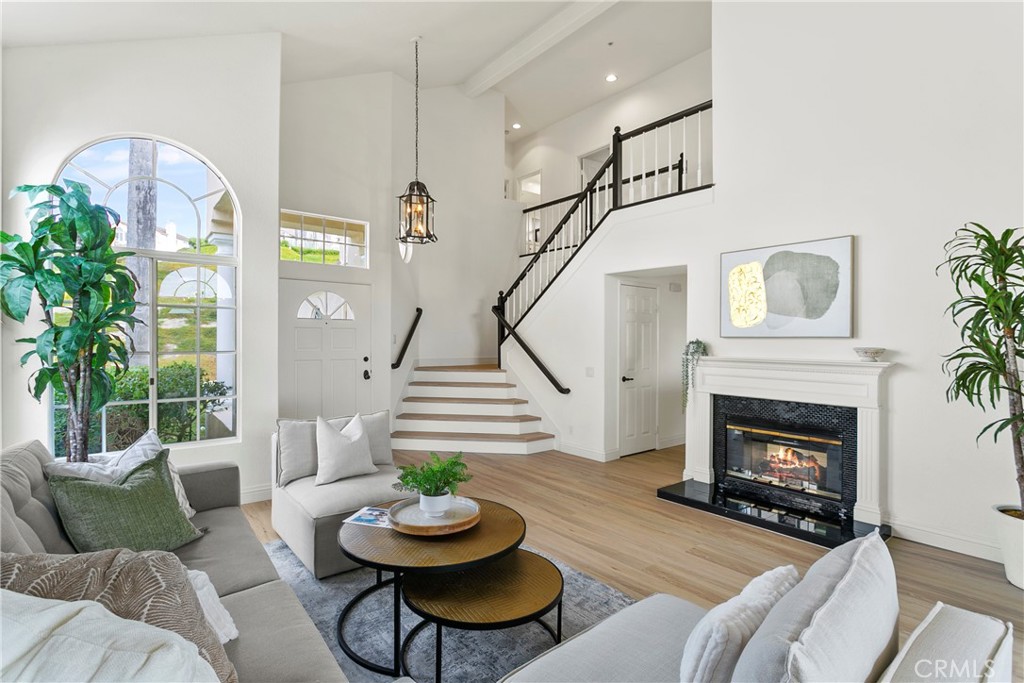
(617, 168)
(501, 330)
(682, 171)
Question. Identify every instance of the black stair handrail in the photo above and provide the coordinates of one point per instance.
(511, 332)
(408, 339)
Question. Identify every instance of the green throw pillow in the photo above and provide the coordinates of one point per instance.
(139, 511)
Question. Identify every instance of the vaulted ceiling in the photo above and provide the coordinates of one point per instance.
(550, 59)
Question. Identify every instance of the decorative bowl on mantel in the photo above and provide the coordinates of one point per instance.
(869, 354)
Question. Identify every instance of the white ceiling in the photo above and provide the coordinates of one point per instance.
(336, 39)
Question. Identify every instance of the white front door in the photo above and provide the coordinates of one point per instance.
(638, 352)
(324, 358)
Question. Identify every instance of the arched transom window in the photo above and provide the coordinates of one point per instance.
(179, 219)
(324, 305)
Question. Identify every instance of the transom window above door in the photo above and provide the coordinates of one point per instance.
(327, 240)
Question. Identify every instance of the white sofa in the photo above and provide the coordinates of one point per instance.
(839, 623)
(307, 517)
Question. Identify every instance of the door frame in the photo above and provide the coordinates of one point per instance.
(620, 282)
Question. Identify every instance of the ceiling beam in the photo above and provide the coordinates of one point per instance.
(540, 40)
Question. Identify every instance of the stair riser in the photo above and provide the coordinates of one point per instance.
(463, 392)
(428, 376)
(467, 427)
(473, 446)
(465, 408)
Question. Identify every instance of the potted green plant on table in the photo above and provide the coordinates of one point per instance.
(988, 273)
(87, 296)
(437, 481)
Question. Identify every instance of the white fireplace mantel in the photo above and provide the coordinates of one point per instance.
(828, 382)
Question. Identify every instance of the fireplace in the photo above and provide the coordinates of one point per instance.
(791, 446)
(785, 457)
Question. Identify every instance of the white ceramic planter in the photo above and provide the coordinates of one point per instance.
(1010, 532)
(435, 506)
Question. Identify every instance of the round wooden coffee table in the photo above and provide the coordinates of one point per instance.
(498, 533)
(517, 589)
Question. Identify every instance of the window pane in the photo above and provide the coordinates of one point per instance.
(218, 374)
(107, 160)
(312, 252)
(176, 421)
(217, 213)
(218, 419)
(125, 424)
(133, 385)
(217, 286)
(217, 329)
(176, 329)
(177, 220)
(176, 377)
(357, 234)
(177, 283)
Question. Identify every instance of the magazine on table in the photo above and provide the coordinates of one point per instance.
(370, 516)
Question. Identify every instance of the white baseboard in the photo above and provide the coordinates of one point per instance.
(944, 539)
(670, 440)
(588, 453)
(254, 494)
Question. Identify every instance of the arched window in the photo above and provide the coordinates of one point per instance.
(179, 218)
(324, 306)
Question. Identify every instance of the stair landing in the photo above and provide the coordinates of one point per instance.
(467, 408)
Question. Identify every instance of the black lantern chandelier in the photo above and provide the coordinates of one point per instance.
(416, 206)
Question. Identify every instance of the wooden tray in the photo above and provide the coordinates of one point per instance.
(407, 518)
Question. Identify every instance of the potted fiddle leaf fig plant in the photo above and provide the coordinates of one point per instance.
(437, 481)
(86, 294)
(988, 273)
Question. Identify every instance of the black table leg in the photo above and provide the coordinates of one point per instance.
(558, 638)
(398, 624)
(437, 656)
(396, 668)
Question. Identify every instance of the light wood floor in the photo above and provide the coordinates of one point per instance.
(606, 520)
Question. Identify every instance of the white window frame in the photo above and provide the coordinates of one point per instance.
(325, 217)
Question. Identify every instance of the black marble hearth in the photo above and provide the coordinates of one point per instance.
(795, 523)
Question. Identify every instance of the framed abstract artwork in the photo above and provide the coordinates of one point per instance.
(791, 290)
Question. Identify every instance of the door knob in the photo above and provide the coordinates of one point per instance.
(366, 374)
(627, 379)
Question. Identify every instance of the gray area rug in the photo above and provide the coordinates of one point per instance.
(469, 656)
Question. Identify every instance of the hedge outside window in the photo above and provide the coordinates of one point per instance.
(180, 220)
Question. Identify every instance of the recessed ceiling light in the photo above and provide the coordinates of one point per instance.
(516, 126)
(611, 78)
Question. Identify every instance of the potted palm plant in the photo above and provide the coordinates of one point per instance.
(87, 296)
(988, 273)
(437, 481)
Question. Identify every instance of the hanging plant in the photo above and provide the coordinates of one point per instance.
(695, 348)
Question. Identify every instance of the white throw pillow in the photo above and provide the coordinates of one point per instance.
(853, 628)
(344, 454)
(715, 643)
(107, 468)
(54, 640)
(217, 616)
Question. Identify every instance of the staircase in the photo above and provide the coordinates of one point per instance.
(469, 408)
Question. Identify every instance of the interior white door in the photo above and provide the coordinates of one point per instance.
(324, 358)
(638, 370)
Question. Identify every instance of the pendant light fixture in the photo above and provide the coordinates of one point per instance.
(416, 206)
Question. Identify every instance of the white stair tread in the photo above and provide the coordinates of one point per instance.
(460, 436)
(441, 417)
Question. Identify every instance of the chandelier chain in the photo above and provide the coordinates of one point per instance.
(417, 145)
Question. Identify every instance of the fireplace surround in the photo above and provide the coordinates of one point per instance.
(789, 425)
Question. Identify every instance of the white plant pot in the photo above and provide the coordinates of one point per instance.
(435, 506)
(1010, 532)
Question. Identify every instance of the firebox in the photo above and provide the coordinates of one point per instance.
(776, 455)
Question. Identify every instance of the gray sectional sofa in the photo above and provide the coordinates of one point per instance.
(277, 640)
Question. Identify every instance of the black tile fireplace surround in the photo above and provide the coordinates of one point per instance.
(822, 517)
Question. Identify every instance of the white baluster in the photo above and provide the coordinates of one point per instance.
(671, 156)
(686, 155)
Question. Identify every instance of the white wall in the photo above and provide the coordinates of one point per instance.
(462, 147)
(217, 96)
(556, 149)
(336, 159)
(892, 122)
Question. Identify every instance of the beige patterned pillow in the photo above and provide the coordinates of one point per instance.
(152, 587)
